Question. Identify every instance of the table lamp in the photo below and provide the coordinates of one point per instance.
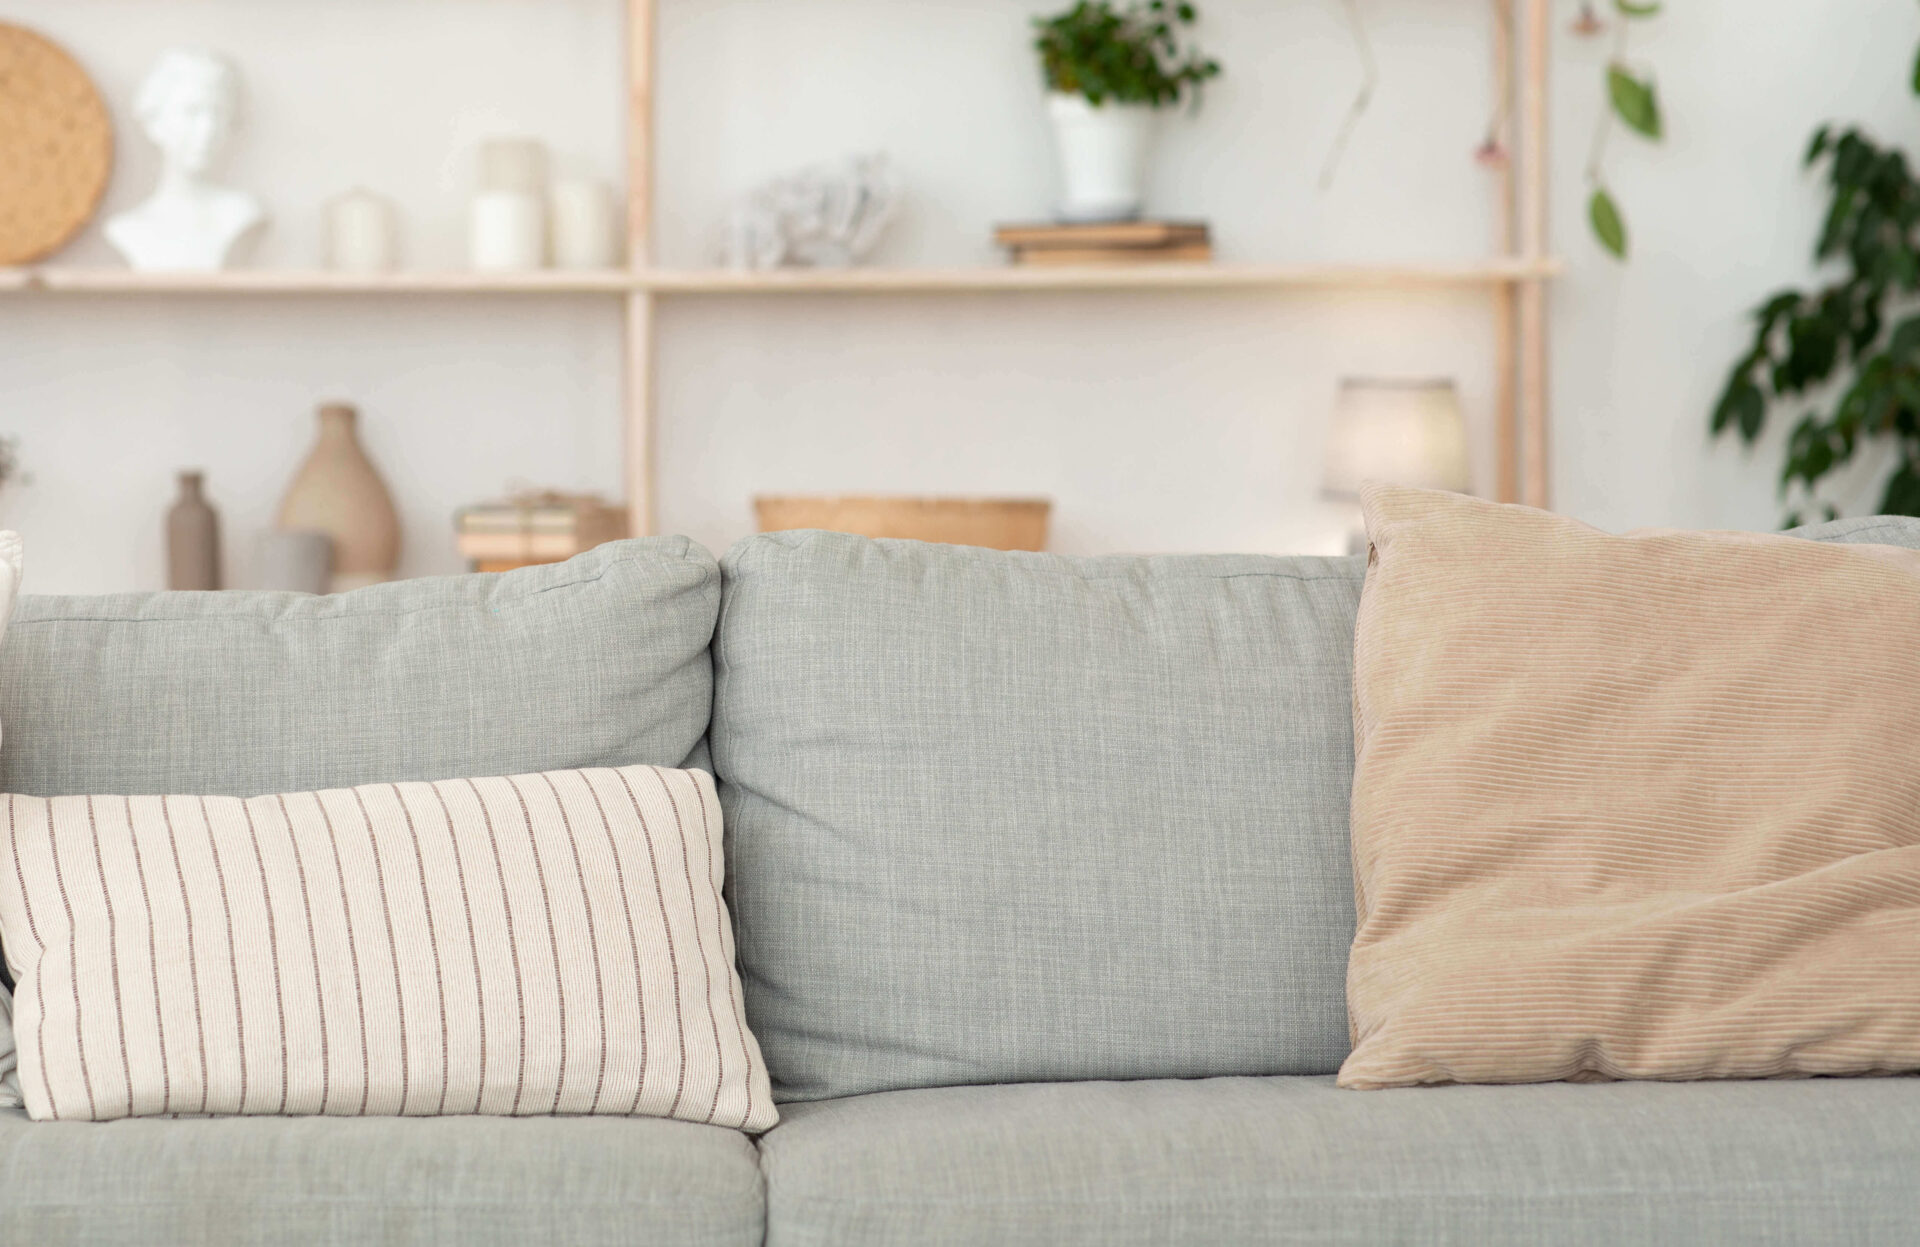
(1399, 432)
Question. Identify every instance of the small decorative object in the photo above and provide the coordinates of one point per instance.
(507, 225)
(536, 526)
(823, 216)
(193, 537)
(580, 211)
(188, 105)
(996, 523)
(362, 236)
(56, 146)
(1115, 242)
(1396, 432)
(338, 492)
(296, 561)
(1107, 70)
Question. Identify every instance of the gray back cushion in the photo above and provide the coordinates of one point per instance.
(1008, 817)
(1004, 817)
(598, 661)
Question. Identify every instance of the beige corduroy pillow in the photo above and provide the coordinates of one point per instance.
(1630, 807)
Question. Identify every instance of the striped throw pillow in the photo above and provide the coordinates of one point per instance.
(538, 944)
(1630, 807)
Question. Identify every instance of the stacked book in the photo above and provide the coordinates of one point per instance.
(543, 527)
(1115, 242)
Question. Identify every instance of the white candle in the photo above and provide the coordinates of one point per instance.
(582, 219)
(361, 233)
(507, 230)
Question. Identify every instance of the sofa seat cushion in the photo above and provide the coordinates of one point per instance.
(1295, 1160)
(355, 1181)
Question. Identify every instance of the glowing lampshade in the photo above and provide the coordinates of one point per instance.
(1397, 432)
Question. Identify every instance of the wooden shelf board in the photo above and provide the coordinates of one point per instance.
(299, 281)
(784, 281)
(1103, 277)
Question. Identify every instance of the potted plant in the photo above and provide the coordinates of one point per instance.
(1108, 70)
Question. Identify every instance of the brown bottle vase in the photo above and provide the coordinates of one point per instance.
(338, 492)
(193, 537)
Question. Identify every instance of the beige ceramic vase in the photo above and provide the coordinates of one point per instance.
(338, 492)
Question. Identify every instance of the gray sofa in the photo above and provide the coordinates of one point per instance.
(1039, 871)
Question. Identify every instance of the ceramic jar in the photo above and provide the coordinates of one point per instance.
(338, 492)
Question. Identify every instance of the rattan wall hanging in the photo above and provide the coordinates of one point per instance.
(56, 146)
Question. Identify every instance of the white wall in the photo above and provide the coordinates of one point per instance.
(1156, 421)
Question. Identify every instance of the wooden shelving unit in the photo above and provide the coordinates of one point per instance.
(297, 281)
(55, 280)
(1515, 277)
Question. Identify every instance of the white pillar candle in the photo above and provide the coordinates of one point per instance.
(507, 224)
(507, 231)
(361, 234)
(581, 215)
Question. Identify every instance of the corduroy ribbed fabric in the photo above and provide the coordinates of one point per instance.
(1642, 806)
(540, 944)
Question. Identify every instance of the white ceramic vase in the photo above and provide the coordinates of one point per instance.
(1103, 151)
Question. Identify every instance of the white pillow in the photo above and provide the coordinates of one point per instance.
(10, 564)
(540, 944)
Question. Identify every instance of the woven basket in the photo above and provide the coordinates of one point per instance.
(997, 523)
(56, 146)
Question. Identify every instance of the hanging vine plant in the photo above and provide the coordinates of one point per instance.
(1632, 101)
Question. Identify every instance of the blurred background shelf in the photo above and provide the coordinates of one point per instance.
(1136, 277)
(1495, 272)
(54, 280)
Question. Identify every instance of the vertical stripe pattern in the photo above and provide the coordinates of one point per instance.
(541, 944)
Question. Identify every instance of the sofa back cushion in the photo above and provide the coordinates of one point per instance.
(1005, 817)
(599, 661)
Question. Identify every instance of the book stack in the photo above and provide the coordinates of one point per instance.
(543, 527)
(1115, 242)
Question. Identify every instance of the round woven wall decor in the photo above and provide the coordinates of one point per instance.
(56, 146)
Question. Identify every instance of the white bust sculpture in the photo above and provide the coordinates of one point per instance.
(187, 105)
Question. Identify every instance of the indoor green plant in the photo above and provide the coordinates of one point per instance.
(1107, 70)
(1861, 325)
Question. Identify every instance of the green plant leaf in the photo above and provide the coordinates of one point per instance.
(1916, 75)
(1817, 147)
(1741, 407)
(1905, 340)
(1604, 215)
(1634, 101)
(1630, 9)
(1903, 492)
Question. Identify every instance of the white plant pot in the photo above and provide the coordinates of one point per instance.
(1103, 154)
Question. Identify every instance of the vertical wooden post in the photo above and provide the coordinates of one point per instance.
(639, 397)
(1506, 412)
(1536, 476)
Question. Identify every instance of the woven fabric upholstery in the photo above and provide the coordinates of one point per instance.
(598, 661)
(1283, 1161)
(1000, 817)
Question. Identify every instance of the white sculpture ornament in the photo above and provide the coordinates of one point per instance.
(824, 216)
(188, 105)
